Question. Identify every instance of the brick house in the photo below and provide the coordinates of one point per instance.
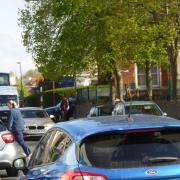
(134, 79)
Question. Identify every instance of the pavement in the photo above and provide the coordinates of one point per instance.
(172, 108)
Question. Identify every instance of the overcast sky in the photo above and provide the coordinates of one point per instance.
(11, 47)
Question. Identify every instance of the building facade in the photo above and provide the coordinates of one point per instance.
(135, 79)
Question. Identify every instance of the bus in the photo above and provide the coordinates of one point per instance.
(7, 93)
(4, 79)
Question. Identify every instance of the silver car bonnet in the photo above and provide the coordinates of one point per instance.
(37, 121)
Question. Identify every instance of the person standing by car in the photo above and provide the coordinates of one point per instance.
(64, 108)
(16, 126)
(117, 100)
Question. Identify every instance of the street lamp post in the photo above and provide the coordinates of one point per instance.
(21, 90)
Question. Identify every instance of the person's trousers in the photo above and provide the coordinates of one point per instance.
(20, 139)
(64, 116)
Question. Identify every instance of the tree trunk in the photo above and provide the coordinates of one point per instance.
(111, 85)
(174, 79)
(117, 80)
(173, 53)
(99, 75)
(116, 85)
(113, 88)
(149, 80)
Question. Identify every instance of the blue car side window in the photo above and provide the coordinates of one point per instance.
(39, 154)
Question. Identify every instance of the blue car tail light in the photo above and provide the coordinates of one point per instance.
(78, 175)
(142, 130)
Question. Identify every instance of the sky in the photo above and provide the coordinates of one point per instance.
(11, 46)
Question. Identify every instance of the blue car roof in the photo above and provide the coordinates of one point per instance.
(80, 128)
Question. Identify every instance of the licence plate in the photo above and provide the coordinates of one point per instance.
(36, 131)
(3, 117)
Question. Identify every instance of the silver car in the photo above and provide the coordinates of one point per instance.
(100, 110)
(138, 107)
(37, 121)
(10, 150)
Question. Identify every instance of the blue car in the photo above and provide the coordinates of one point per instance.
(55, 110)
(110, 147)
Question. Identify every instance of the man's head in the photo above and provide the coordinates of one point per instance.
(11, 104)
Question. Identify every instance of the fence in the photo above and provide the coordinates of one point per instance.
(102, 94)
(158, 94)
(94, 94)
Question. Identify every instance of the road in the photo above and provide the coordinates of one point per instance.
(3, 175)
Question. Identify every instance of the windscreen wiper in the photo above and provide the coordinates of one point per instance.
(159, 159)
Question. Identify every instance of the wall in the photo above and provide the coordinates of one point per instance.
(172, 108)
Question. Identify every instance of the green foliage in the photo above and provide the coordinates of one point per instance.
(25, 89)
(32, 73)
(32, 100)
(69, 36)
(49, 96)
(56, 94)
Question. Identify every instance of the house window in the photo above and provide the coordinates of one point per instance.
(142, 77)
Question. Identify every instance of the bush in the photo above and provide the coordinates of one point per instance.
(32, 100)
(56, 95)
(50, 97)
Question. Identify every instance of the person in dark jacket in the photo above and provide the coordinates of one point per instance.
(64, 108)
(16, 126)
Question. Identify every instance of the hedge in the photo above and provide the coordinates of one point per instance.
(49, 96)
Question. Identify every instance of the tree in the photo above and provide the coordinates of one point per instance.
(165, 17)
(150, 32)
(55, 53)
(171, 22)
(25, 89)
(35, 75)
(69, 36)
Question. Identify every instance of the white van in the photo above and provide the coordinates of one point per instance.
(7, 93)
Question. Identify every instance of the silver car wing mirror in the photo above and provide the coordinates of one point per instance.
(52, 116)
(20, 164)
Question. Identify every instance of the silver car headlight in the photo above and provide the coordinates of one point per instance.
(26, 128)
(47, 126)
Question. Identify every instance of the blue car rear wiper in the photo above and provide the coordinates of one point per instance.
(159, 159)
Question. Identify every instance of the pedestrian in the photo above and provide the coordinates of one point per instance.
(64, 108)
(117, 100)
(121, 106)
(16, 126)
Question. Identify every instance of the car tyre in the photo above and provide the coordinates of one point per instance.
(11, 172)
(58, 117)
